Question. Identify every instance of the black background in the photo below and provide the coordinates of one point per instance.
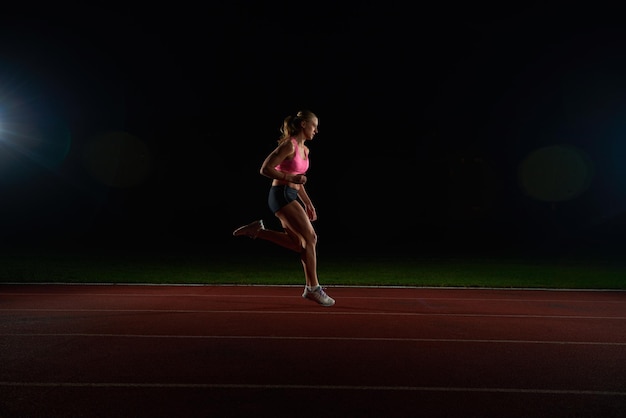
(142, 127)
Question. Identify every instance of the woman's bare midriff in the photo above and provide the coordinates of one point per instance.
(277, 182)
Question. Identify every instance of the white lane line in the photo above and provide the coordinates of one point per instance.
(329, 286)
(326, 311)
(313, 387)
(274, 337)
(282, 296)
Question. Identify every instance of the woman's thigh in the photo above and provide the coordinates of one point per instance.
(295, 220)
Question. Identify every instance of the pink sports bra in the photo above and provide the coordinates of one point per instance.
(295, 165)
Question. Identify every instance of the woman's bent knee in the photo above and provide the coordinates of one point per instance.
(310, 239)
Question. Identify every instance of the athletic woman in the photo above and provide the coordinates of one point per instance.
(288, 200)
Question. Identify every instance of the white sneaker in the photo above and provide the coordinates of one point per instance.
(250, 230)
(318, 295)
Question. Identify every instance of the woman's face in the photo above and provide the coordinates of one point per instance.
(309, 128)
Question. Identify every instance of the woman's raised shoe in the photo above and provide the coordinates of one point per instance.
(251, 230)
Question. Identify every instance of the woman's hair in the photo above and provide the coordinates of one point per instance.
(291, 124)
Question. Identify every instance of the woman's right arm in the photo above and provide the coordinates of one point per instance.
(276, 157)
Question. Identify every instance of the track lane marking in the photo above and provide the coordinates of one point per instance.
(274, 337)
(313, 387)
(327, 311)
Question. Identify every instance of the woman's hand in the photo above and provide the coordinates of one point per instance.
(310, 211)
(298, 179)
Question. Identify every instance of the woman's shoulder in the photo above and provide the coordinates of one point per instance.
(286, 146)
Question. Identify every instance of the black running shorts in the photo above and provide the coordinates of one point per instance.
(280, 196)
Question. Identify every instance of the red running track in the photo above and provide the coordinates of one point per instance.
(246, 351)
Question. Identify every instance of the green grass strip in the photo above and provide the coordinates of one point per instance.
(556, 273)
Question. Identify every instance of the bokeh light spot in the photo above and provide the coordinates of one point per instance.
(118, 159)
(556, 173)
